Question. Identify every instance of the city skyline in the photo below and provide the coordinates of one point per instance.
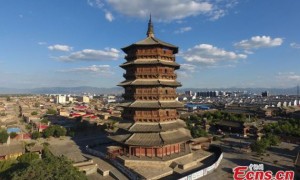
(222, 44)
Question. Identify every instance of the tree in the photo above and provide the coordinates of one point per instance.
(260, 146)
(28, 127)
(48, 132)
(8, 98)
(59, 131)
(198, 132)
(51, 111)
(27, 157)
(13, 135)
(35, 135)
(3, 136)
(5, 165)
(50, 167)
(45, 121)
(71, 133)
(273, 139)
(34, 113)
(55, 130)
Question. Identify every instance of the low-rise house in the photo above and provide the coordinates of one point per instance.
(232, 127)
(11, 151)
(34, 149)
(200, 143)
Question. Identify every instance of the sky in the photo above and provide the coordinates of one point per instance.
(222, 43)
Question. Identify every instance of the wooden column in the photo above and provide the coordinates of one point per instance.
(129, 151)
(140, 151)
(151, 152)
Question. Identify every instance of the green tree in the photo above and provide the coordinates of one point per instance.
(51, 111)
(34, 113)
(28, 127)
(50, 167)
(198, 132)
(45, 121)
(59, 131)
(35, 135)
(273, 139)
(260, 146)
(48, 132)
(13, 135)
(27, 157)
(5, 165)
(3, 136)
(55, 130)
(71, 133)
(8, 98)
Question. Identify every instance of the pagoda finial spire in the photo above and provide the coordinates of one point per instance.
(150, 32)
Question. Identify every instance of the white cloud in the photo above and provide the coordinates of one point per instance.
(92, 69)
(188, 67)
(91, 55)
(42, 43)
(183, 30)
(109, 16)
(60, 47)
(95, 3)
(207, 54)
(217, 14)
(259, 42)
(288, 76)
(295, 45)
(166, 10)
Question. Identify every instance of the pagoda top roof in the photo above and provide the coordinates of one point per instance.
(151, 41)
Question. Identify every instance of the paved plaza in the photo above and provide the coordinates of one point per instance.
(284, 154)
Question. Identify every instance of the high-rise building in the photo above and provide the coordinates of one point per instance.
(61, 99)
(151, 126)
(265, 94)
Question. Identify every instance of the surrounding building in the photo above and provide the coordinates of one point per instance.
(265, 94)
(151, 124)
(61, 99)
(11, 151)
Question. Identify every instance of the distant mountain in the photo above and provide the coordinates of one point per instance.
(63, 90)
(119, 90)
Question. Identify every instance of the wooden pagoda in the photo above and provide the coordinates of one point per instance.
(151, 126)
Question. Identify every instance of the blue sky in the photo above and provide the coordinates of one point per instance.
(222, 43)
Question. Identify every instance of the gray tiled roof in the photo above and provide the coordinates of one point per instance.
(159, 139)
(120, 138)
(149, 61)
(166, 126)
(157, 127)
(145, 139)
(154, 82)
(153, 104)
(176, 136)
